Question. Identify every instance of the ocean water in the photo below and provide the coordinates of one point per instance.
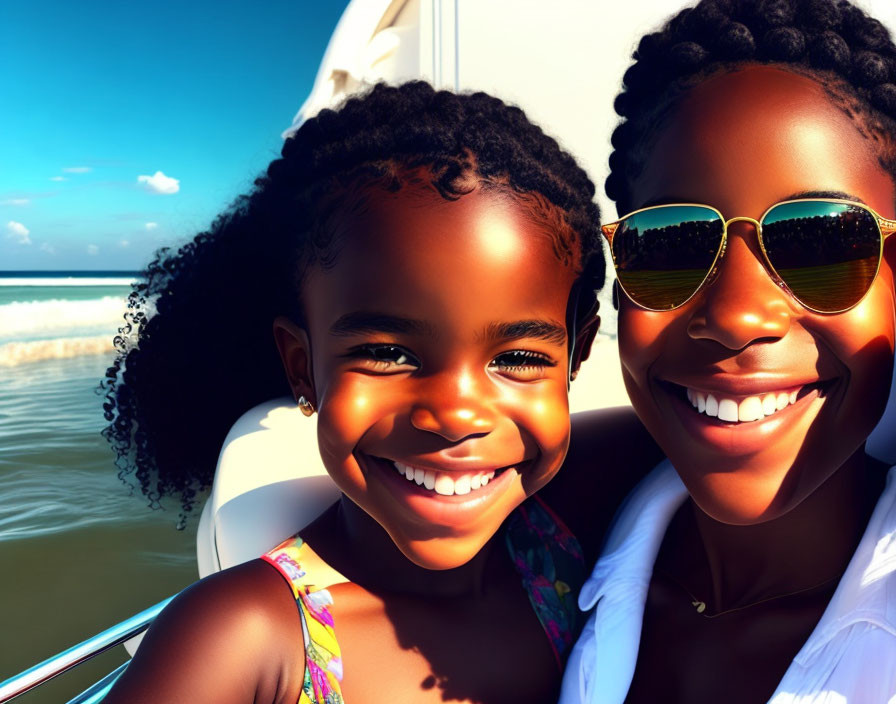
(79, 551)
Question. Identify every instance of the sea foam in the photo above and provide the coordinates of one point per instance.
(31, 331)
(14, 353)
(65, 281)
(28, 321)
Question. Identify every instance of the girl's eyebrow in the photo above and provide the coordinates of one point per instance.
(372, 321)
(546, 330)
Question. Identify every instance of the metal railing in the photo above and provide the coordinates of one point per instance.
(56, 665)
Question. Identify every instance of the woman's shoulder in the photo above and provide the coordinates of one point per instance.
(610, 451)
(231, 637)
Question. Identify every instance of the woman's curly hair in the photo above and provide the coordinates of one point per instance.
(850, 53)
(197, 349)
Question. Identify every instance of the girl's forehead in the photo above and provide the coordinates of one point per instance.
(416, 224)
(745, 139)
(431, 257)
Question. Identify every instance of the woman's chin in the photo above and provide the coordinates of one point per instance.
(741, 498)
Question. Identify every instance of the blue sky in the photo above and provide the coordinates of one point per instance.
(128, 126)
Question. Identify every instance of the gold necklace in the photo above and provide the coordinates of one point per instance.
(700, 606)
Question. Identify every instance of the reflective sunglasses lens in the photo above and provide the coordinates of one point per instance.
(826, 253)
(663, 254)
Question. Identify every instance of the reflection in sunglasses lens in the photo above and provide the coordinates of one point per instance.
(662, 255)
(826, 253)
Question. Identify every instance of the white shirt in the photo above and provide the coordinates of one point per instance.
(850, 658)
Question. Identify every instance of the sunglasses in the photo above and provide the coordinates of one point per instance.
(824, 252)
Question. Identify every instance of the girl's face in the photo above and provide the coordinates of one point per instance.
(741, 142)
(438, 365)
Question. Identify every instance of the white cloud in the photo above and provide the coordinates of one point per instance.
(93, 250)
(124, 243)
(76, 169)
(48, 248)
(151, 225)
(58, 178)
(160, 183)
(18, 231)
(15, 201)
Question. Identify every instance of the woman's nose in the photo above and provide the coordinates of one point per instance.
(453, 406)
(742, 304)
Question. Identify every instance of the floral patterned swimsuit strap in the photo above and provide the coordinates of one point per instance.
(323, 660)
(551, 563)
(546, 555)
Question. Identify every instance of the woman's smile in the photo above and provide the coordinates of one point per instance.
(737, 424)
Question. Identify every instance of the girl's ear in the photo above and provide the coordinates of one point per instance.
(295, 353)
(584, 338)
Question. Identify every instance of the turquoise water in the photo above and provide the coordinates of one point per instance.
(78, 550)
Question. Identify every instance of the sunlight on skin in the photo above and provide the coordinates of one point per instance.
(497, 238)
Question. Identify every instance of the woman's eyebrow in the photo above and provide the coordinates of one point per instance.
(546, 330)
(839, 195)
(372, 321)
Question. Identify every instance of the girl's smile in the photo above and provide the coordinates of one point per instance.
(755, 399)
(439, 370)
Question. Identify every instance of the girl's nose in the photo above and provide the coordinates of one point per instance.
(453, 408)
(742, 304)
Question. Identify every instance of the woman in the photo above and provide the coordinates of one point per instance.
(756, 336)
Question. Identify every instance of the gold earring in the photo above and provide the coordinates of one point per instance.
(306, 407)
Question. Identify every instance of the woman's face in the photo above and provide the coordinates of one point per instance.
(741, 142)
(438, 355)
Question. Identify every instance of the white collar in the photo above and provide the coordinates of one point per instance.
(620, 580)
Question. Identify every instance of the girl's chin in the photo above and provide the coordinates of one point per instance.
(441, 554)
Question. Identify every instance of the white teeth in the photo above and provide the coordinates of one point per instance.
(443, 483)
(749, 409)
(727, 410)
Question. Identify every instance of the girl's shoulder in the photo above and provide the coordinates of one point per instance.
(610, 451)
(230, 637)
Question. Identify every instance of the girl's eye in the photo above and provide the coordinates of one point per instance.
(385, 358)
(522, 364)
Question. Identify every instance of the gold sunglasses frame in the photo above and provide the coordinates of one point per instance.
(885, 228)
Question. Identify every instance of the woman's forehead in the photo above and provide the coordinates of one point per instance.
(743, 140)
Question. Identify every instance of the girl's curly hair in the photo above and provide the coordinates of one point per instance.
(197, 349)
(851, 54)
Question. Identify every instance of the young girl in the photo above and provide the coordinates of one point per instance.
(425, 260)
(754, 176)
